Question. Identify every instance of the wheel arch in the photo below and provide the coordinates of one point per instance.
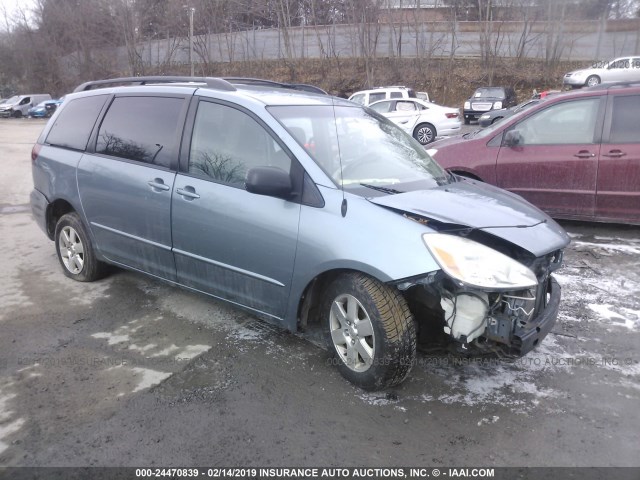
(55, 210)
(311, 297)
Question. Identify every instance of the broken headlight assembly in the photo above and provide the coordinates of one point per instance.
(489, 294)
(476, 265)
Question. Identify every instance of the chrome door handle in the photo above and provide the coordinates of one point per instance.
(158, 184)
(189, 194)
(614, 154)
(584, 154)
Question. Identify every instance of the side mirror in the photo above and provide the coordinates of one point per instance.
(512, 138)
(269, 181)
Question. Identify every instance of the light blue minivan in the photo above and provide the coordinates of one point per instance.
(299, 207)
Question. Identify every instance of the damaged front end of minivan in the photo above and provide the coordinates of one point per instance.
(494, 291)
(485, 300)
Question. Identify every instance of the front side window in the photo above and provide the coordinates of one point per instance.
(625, 127)
(361, 150)
(395, 95)
(75, 121)
(359, 98)
(226, 143)
(144, 129)
(381, 107)
(564, 123)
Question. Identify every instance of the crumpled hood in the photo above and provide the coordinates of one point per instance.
(476, 205)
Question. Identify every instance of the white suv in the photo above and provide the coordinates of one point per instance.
(367, 97)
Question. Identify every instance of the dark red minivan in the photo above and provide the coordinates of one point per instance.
(575, 155)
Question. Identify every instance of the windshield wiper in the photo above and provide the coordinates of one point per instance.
(471, 134)
(391, 191)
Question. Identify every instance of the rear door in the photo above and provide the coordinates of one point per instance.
(125, 182)
(556, 163)
(404, 113)
(618, 188)
(228, 242)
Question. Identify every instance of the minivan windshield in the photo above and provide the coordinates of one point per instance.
(361, 150)
(13, 99)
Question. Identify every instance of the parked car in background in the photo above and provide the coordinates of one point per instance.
(363, 235)
(424, 121)
(485, 99)
(424, 96)
(18, 105)
(44, 109)
(494, 116)
(576, 155)
(367, 97)
(623, 69)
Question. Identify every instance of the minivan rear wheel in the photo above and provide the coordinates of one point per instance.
(75, 250)
(370, 331)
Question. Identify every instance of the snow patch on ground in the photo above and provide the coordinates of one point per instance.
(630, 319)
(606, 248)
(192, 351)
(112, 338)
(8, 425)
(146, 377)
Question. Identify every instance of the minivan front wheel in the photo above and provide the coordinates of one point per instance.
(425, 133)
(593, 80)
(75, 251)
(370, 331)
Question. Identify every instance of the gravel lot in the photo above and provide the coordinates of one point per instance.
(129, 371)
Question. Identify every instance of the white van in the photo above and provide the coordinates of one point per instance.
(18, 105)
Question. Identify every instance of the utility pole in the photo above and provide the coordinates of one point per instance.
(192, 10)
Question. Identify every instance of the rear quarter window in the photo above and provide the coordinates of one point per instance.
(75, 121)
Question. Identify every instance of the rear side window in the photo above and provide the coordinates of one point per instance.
(625, 127)
(75, 122)
(144, 129)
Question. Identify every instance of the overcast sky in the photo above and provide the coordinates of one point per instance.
(11, 7)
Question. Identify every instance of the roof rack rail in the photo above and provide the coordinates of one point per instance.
(211, 82)
(270, 83)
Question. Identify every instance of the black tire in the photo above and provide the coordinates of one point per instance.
(425, 133)
(79, 263)
(592, 81)
(467, 121)
(392, 343)
(16, 114)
